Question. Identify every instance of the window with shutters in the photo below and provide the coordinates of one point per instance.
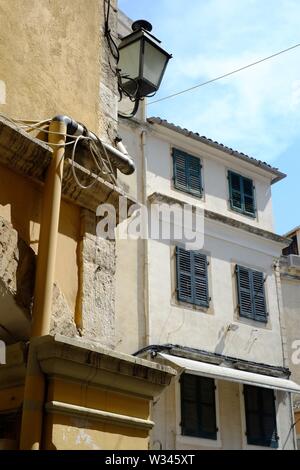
(241, 193)
(251, 294)
(260, 410)
(187, 173)
(198, 407)
(192, 277)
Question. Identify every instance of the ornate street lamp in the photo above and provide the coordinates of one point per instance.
(142, 64)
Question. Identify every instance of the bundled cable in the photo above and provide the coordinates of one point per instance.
(96, 149)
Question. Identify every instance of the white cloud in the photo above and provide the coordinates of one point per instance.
(295, 97)
(257, 110)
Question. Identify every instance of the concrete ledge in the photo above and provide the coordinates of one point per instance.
(85, 362)
(158, 197)
(98, 415)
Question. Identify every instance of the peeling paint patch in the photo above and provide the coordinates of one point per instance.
(2, 92)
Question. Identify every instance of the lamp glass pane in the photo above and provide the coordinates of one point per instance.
(154, 63)
(130, 60)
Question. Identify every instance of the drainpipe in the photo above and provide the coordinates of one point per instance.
(49, 232)
(146, 242)
(34, 392)
(283, 336)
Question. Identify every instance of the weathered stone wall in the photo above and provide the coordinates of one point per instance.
(96, 317)
(17, 277)
(17, 265)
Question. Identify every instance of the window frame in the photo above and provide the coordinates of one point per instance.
(243, 195)
(188, 159)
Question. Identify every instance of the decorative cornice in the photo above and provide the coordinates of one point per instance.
(82, 361)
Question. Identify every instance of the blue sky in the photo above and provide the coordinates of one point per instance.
(256, 111)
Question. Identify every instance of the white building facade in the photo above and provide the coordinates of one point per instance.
(214, 313)
(213, 309)
(290, 291)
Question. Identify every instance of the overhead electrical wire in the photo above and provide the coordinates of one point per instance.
(207, 82)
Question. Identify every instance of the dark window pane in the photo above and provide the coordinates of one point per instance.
(241, 193)
(190, 422)
(208, 420)
(235, 182)
(253, 426)
(260, 416)
(248, 187)
(198, 415)
(207, 391)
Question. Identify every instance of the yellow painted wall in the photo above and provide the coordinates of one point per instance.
(71, 433)
(97, 398)
(297, 419)
(20, 204)
(11, 398)
(78, 433)
(50, 58)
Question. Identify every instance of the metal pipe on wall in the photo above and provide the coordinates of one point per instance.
(34, 392)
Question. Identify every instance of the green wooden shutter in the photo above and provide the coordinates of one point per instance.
(200, 279)
(259, 301)
(260, 416)
(192, 277)
(251, 293)
(184, 275)
(244, 284)
(180, 173)
(187, 173)
(235, 191)
(194, 175)
(248, 196)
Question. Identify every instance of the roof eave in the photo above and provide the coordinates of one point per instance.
(278, 175)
